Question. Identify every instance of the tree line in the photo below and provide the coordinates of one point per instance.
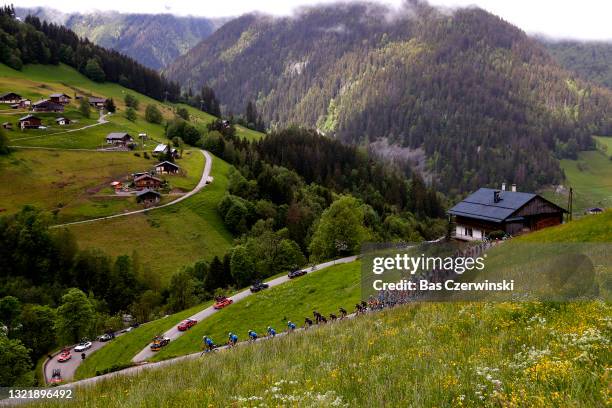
(33, 42)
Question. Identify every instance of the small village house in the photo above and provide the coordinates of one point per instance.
(22, 104)
(162, 149)
(63, 121)
(60, 98)
(10, 97)
(119, 139)
(7, 126)
(147, 181)
(96, 102)
(30, 122)
(47, 106)
(167, 167)
(148, 197)
(511, 212)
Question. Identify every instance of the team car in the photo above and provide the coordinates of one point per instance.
(159, 342)
(221, 302)
(83, 345)
(297, 273)
(64, 356)
(187, 324)
(257, 286)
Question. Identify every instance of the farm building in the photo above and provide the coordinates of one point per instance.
(511, 212)
(148, 197)
(10, 97)
(47, 106)
(163, 149)
(7, 125)
(63, 121)
(167, 167)
(147, 181)
(30, 122)
(60, 98)
(96, 102)
(119, 138)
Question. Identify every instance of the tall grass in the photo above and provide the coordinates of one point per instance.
(509, 355)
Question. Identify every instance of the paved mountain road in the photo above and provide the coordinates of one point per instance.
(174, 333)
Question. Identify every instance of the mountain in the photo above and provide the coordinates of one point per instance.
(474, 98)
(154, 40)
(590, 60)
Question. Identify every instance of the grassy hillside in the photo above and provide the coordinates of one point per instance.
(422, 355)
(591, 178)
(324, 291)
(76, 185)
(167, 238)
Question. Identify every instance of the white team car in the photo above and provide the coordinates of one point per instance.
(84, 345)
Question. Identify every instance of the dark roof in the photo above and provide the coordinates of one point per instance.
(10, 94)
(57, 95)
(167, 162)
(30, 116)
(147, 191)
(146, 175)
(481, 205)
(117, 135)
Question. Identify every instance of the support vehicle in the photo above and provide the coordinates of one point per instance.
(221, 302)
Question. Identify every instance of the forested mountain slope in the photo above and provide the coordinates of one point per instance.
(484, 101)
(154, 40)
(591, 60)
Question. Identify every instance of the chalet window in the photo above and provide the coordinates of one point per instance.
(469, 232)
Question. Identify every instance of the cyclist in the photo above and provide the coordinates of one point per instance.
(307, 322)
(291, 325)
(342, 313)
(252, 335)
(209, 344)
(233, 339)
(271, 332)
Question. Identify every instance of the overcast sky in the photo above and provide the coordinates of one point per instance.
(584, 19)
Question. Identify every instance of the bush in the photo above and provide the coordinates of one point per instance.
(131, 101)
(153, 115)
(130, 114)
(113, 368)
(497, 234)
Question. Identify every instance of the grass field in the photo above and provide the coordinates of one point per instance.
(604, 144)
(591, 179)
(509, 355)
(167, 238)
(121, 350)
(75, 185)
(324, 291)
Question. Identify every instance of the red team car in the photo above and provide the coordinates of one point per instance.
(186, 324)
(222, 301)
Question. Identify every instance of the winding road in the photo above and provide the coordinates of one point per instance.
(174, 333)
(201, 184)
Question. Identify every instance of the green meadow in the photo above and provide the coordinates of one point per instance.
(167, 238)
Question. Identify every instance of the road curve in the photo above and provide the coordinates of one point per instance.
(200, 186)
(174, 333)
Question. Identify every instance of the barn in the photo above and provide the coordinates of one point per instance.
(10, 97)
(47, 106)
(148, 197)
(30, 122)
(511, 212)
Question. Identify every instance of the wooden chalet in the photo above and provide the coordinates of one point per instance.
(60, 98)
(119, 138)
(147, 181)
(96, 102)
(47, 106)
(511, 212)
(63, 121)
(167, 167)
(22, 104)
(148, 197)
(30, 122)
(10, 97)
